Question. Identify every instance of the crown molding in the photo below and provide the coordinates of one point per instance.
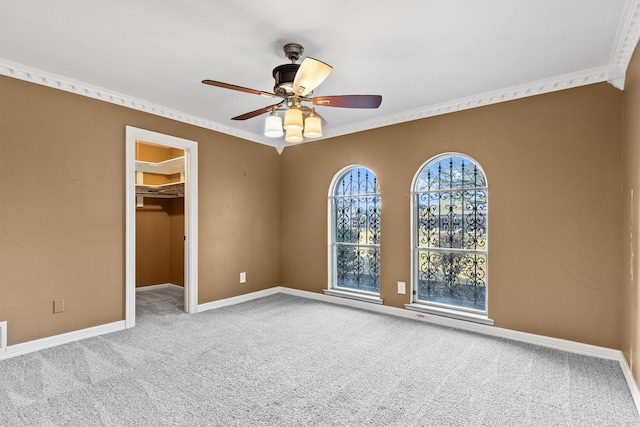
(23, 72)
(566, 81)
(586, 77)
(625, 44)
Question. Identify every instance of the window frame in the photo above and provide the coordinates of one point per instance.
(332, 287)
(459, 312)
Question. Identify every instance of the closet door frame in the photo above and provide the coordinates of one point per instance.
(190, 148)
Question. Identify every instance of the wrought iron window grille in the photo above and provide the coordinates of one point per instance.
(450, 234)
(355, 255)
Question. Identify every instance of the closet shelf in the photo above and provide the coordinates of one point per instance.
(167, 167)
(166, 191)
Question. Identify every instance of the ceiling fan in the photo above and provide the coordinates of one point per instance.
(294, 83)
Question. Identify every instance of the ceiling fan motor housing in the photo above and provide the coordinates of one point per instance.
(284, 76)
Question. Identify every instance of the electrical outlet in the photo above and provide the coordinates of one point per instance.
(402, 288)
(243, 277)
(58, 306)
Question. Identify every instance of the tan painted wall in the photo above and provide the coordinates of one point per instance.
(160, 242)
(62, 210)
(153, 242)
(239, 196)
(631, 268)
(159, 179)
(553, 164)
(156, 153)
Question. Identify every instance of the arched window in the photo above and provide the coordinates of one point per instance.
(450, 234)
(354, 254)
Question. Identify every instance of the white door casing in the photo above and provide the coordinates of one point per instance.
(190, 217)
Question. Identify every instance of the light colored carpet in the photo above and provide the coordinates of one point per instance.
(289, 361)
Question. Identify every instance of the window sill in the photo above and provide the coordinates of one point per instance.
(353, 295)
(440, 311)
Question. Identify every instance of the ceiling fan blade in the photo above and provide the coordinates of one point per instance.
(348, 101)
(239, 88)
(257, 112)
(309, 76)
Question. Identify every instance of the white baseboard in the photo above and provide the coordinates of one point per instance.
(160, 286)
(631, 382)
(41, 344)
(3, 337)
(560, 344)
(238, 299)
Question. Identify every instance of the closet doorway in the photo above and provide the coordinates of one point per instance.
(161, 186)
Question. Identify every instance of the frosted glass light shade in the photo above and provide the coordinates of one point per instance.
(293, 135)
(309, 76)
(273, 126)
(313, 127)
(293, 119)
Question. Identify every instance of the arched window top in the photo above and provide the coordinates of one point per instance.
(356, 180)
(448, 172)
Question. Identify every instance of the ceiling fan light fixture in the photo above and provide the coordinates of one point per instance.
(273, 126)
(293, 136)
(293, 119)
(313, 127)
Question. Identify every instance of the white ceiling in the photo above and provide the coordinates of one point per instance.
(424, 57)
